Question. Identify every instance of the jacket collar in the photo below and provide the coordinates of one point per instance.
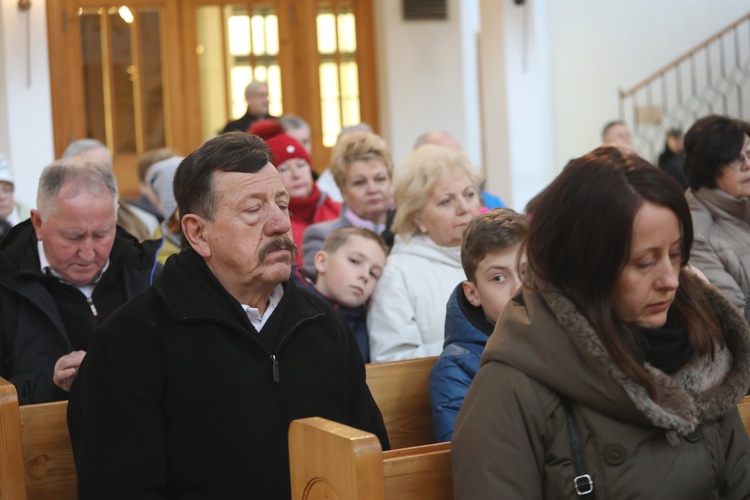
(544, 336)
(423, 246)
(722, 204)
(191, 292)
(464, 322)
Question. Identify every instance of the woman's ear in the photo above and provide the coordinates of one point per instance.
(417, 219)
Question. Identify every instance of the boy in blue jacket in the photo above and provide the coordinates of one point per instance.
(491, 260)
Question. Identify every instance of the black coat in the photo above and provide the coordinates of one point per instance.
(179, 398)
(32, 332)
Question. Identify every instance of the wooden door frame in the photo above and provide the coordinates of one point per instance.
(298, 59)
(67, 91)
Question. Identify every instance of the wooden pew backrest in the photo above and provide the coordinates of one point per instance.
(402, 391)
(330, 460)
(36, 459)
(12, 483)
(50, 469)
(744, 409)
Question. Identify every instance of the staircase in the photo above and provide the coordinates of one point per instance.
(712, 78)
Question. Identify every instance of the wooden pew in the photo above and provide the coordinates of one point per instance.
(402, 391)
(36, 459)
(744, 408)
(330, 460)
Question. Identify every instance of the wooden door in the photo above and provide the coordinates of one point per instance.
(172, 73)
(113, 79)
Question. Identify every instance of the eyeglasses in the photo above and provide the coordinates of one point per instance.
(742, 163)
(7, 189)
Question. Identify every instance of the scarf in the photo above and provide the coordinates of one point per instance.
(304, 208)
(667, 348)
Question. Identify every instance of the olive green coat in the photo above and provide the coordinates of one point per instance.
(510, 440)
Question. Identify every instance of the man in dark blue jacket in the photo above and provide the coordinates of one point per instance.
(188, 391)
(62, 273)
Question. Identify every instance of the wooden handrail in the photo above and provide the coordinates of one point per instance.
(627, 93)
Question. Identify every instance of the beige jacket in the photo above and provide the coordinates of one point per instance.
(721, 249)
(510, 440)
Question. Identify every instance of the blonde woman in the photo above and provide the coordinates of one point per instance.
(436, 192)
(361, 166)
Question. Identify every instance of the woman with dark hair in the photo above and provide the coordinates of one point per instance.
(614, 346)
(717, 164)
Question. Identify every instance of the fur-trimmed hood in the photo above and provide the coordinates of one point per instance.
(542, 334)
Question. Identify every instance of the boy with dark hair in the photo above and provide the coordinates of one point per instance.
(491, 260)
(348, 267)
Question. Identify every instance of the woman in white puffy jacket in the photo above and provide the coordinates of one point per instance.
(436, 192)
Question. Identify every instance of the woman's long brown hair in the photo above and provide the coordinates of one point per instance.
(579, 242)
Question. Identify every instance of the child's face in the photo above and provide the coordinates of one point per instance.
(497, 280)
(349, 275)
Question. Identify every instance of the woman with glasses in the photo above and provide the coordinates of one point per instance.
(717, 165)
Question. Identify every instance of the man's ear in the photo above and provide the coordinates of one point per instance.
(321, 262)
(36, 221)
(470, 291)
(195, 229)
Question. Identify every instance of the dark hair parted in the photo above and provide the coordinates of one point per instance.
(579, 242)
(493, 231)
(231, 152)
(712, 143)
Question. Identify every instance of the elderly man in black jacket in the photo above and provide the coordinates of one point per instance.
(189, 390)
(62, 273)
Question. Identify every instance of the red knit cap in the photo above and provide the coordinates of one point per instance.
(265, 128)
(285, 147)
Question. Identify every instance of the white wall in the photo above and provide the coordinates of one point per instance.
(600, 46)
(516, 99)
(423, 79)
(25, 106)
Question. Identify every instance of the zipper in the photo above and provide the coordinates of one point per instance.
(275, 368)
(90, 302)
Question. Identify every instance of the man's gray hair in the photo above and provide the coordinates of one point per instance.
(362, 127)
(292, 122)
(84, 175)
(77, 148)
(253, 87)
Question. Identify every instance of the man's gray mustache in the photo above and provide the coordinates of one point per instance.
(282, 243)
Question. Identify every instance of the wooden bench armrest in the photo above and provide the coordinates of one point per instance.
(331, 460)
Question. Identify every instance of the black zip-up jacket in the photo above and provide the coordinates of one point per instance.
(178, 396)
(32, 332)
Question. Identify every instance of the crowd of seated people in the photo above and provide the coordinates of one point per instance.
(414, 261)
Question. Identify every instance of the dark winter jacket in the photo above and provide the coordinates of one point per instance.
(178, 397)
(466, 334)
(687, 441)
(355, 317)
(32, 332)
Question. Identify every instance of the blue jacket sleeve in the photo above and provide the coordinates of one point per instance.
(449, 381)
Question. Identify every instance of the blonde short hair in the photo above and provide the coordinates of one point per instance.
(416, 178)
(358, 146)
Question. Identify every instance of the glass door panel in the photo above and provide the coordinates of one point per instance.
(236, 44)
(338, 70)
(123, 78)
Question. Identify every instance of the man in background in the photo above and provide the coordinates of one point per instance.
(62, 273)
(256, 95)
